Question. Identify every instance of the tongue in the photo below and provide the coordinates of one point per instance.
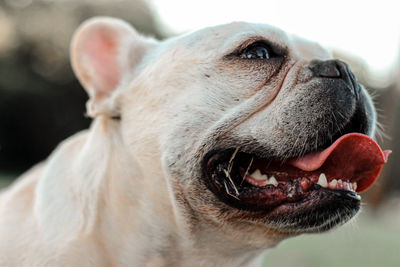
(354, 157)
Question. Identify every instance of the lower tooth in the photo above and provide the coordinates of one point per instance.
(333, 183)
(339, 184)
(273, 181)
(258, 176)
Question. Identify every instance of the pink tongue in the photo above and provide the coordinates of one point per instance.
(354, 157)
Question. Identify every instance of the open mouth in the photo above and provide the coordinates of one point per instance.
(341, 171)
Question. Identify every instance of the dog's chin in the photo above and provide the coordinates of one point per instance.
(292, 201)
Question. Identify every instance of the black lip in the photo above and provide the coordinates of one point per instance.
(320, 211)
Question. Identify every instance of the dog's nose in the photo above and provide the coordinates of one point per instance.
(326, 69)
(335, 69)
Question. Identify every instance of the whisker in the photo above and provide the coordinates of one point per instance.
(227, 174)
(231, 160)
(228, 192)
(247, 170)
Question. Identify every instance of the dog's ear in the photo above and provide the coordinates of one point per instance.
(104, 54)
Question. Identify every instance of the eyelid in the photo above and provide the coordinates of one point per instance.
(275, 48)
(248, 43)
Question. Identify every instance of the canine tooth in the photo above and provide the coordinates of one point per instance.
(258, 176)
(333, 183)
(273, 181)
(322, 180)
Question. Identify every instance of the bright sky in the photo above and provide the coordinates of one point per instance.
(367, 29)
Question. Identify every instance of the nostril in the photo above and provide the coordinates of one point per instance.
(327, 69)
(330, 70)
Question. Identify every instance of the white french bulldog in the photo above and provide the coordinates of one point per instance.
(205, 150)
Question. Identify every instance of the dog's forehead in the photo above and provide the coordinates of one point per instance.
(222, 38)
(225, 36)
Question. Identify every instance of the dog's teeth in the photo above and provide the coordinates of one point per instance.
(333, 183)
(339, 184)
(354, 186)
(322, 180)
(258, 176)
(272, 180)
(347, 186)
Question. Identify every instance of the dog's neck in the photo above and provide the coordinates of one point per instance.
(127, 209)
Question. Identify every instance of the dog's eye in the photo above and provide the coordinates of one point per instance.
(257, 50)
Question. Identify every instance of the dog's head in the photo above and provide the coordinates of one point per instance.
(250, 127)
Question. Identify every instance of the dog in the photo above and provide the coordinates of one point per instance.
(206, 149)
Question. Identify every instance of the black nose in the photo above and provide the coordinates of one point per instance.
(327, 69)
(335, 69)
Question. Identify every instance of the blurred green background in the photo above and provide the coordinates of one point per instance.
(41, 102)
